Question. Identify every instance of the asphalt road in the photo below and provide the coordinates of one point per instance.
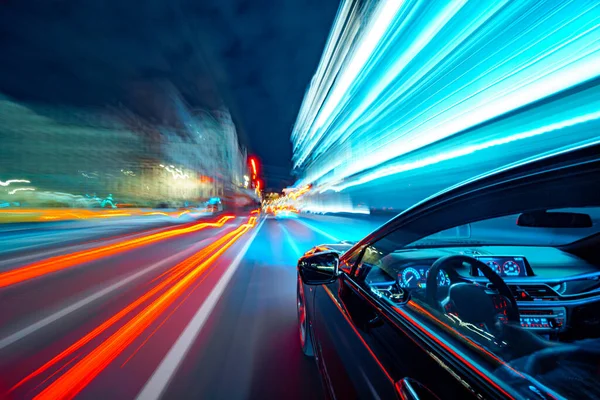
(202, 310)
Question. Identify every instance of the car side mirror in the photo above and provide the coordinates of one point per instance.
(319, 268)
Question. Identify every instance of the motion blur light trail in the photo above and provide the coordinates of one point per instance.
(175, 272)
(62, 262)
(45, 215)
(8, 182)
(463, 151)
(82, 373)
(464, 84)
(182, 276)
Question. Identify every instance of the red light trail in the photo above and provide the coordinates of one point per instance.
(65, 261)
(53, 215)
(182, 276)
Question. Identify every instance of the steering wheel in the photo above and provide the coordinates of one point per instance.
(469, 300)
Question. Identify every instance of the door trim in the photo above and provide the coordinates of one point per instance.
(343, 311)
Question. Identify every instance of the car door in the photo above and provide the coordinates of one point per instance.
(370, 348)
(364, 353)
(349, 369)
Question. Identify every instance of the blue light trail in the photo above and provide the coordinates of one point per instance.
(447, 86)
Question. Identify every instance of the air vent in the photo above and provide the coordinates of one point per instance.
(471, 252)
(533, 292)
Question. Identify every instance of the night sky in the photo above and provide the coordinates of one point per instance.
(254, 56)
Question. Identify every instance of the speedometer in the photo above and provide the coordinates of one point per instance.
(410, 278)
(495, 266)
(443, 279)
(511, 268)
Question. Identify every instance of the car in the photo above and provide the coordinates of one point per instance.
(489, 289)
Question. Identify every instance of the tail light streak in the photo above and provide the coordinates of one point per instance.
(58, 371)
(174, 309)
(168, 367)
(44, 215)
(168, 316)
(176, 272)
(62, 262)
(77, 377)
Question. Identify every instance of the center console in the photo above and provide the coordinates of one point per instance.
(550, 319)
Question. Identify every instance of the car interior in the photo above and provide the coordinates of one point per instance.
(526, 287)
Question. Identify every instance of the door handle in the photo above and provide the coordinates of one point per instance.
(375, 322)
(410, 389)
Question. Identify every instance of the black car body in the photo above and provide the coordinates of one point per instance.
(379, 325)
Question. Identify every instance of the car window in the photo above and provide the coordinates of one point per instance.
(505, 231)
(351, 260)
(512, 357)
(369, 268)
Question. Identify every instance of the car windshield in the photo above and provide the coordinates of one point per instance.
(505, 231)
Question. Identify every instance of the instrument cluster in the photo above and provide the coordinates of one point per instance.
(415, 277)
(506, 266)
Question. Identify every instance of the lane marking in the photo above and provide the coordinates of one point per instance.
(322, 232)
(290, 239)
(87, 369)
(15, 337)
(162, 376)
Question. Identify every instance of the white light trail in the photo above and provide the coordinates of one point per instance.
(467, 150)
(8, 182)
(20, 189)
(162, 376)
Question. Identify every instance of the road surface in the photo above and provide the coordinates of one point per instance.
(202, 309)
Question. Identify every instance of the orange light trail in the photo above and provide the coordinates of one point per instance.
(168, 316)
(176, 272)
(253, 165)
(65, 261)
(58, 371)
(41, 214)
(158, 213)
(303, 190)
(81, 374)
(115, 215)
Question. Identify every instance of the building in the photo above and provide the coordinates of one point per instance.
(93, 153)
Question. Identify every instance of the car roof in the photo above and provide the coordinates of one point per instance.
(550, 166)
(559, 159)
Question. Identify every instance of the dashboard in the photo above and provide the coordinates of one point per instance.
(558, 293)
(415, 276)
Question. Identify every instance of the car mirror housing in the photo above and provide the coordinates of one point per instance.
(319, 268)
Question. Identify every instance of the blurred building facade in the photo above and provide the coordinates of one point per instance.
(49, 154)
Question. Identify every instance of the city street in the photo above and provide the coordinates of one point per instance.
(165, 165)
(202, 309)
